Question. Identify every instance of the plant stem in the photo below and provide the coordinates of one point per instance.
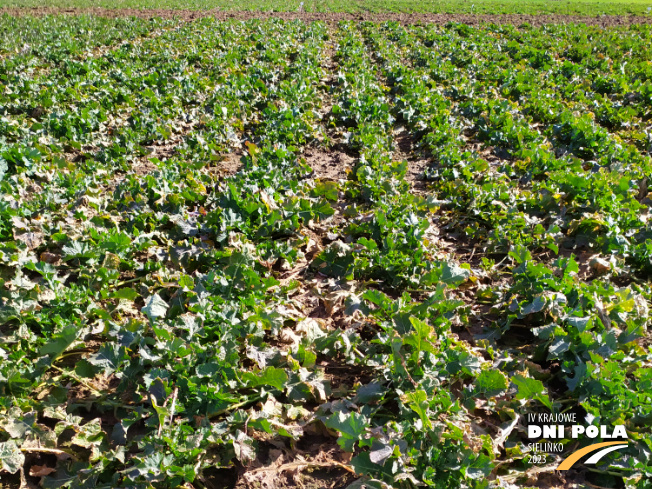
(55, 451)
(125, 282)
(78, 379)
(94, 390)
(235, 406)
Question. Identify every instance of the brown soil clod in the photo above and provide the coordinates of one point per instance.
(230, 165)
(328, 165)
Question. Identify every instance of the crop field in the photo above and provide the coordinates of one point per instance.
(281, 254)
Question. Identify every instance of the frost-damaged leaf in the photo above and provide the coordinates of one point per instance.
(89, 434)
(155, 307)
(557, 347)
(312, 330)
(11, 457)
(537, 305)
(207, 369)
(31, 240)
(17, 427)
(504, 432)
(454, 274)
(60, 479)
(531, 389)
(380, 452)
(108, 358)
(111, 261)
(243, 447)
(188, 227)
(351, 427)
(3, 168)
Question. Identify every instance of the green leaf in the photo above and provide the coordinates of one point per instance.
(370, 393)
(351, 426)
(531, 389)
(370, 244)
(126, 293)
(337, 261)
(271, 376)
(581, 323)
(58, 344)
(207, 369)
(377, 297)
(479, 468)
(84, 368)
(418, 402)
(186, 281)
(327, 189)
(108, 358)
(363, 464)
(78, 249)
(580, 372)
(11, 457)
(491, 383)
(520, 254)
(275, 377)
(420, 338)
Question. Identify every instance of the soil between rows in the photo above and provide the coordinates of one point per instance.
(416, 18)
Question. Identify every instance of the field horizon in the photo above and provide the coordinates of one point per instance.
(486, 7)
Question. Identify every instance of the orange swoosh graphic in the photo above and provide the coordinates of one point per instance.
(574, 457)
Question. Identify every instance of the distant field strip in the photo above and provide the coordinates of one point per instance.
(572, 7)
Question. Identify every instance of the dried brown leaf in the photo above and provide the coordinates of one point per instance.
(40, 470)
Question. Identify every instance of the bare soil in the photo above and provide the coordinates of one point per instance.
(189, 15)
(405, 149)
(329, 165)
(230, 165)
